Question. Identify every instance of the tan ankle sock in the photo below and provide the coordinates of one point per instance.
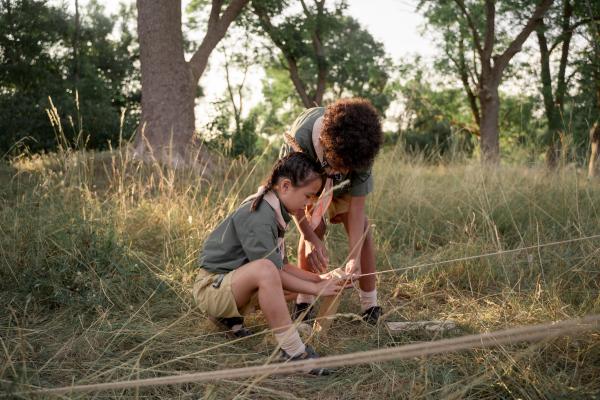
(305, 298)
(367, 299)
(290, 342)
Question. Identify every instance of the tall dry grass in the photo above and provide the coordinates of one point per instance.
(98, 253)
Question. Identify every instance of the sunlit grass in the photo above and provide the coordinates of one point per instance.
(98, 253)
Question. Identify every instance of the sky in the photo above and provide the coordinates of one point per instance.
(395, 23)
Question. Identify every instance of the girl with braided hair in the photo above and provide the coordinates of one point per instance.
(243, 261)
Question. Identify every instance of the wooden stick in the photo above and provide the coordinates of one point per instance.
(327, 310)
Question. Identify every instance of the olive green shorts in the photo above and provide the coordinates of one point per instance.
(219, 302)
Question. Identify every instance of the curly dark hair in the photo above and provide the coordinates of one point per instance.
(351, 134)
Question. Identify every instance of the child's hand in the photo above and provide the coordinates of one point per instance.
(330, 287)
(352, 267)
(338, 273)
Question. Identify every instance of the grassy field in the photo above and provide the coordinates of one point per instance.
(98, 255)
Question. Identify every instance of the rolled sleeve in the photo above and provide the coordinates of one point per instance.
(361, 184)
(260, 241)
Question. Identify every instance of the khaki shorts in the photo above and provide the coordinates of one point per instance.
(339, 205)
(219, 302)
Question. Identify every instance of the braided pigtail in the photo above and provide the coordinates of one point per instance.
(267, 186)
(298, 167)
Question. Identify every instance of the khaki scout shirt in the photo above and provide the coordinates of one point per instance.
(242, 237)
(361, 182)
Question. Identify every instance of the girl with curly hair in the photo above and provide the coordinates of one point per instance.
(344, 138)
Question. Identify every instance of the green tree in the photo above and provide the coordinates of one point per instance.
(588, 100)
(326, 53)
(38, 60)
(469, 28)
(230, 131)
(434, 121)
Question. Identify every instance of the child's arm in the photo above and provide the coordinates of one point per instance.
(318, 256)
(326, 287)
(300, 273)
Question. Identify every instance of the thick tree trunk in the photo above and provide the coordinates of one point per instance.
(488, 128)
(168, 85)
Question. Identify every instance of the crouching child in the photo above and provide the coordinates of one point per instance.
(243, 265)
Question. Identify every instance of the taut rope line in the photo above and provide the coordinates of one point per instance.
(495, 253)
(483, 340)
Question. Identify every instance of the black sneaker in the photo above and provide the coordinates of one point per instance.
(303, 308)
(234, 327)
(308, 353)
(372, 315)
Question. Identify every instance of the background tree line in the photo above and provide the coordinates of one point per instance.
(485, 92)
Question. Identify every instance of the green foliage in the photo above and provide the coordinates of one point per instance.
(434, 122)
(225, 138)
(355, 63)
(583, 109)
(38, 61)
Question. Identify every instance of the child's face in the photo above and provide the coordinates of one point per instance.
(295, 199)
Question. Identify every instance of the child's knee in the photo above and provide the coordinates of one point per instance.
(267, 270)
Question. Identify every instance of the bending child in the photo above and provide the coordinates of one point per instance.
(344, 138)
(243, 260)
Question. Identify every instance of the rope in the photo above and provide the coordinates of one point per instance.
(502, 337)
(495, 253)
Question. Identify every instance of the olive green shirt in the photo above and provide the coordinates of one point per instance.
(361, 182)
(242, 237)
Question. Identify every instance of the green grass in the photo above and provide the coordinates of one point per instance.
(98, 253)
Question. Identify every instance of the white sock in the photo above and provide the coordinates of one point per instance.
(290, 342)
(305, 298)
(367, 299)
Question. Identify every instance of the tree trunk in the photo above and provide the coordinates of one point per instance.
(552, 135)
(464, 77)
(488, 128)
(168, 85)
(492, 68)
(554, 102)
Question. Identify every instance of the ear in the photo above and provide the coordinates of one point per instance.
(284, 185)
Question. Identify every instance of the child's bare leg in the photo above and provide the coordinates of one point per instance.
(367, 263)
(368, 289)
(367, 256)
(262, 276)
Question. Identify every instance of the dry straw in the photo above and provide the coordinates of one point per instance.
(469, 342)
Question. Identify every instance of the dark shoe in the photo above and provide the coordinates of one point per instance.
(305, 311)
(309, 353)
(234, 327)
(372, 315)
